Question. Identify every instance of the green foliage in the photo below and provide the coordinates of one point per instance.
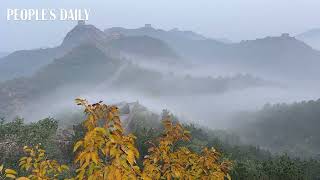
(284, 128)
(29, 134)
(250, 163)
(16, 134)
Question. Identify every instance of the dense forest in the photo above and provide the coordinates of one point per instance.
(291, 128)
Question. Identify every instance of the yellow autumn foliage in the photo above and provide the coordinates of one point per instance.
(107, 153)
(165, 163)
(37, 165)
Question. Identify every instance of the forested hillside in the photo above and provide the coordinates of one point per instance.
(248, 162)
(291, 128)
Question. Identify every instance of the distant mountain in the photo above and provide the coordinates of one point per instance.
(85, 64)
(281, 56)
(143, 46)
(148, 30)
(311, 37)
(27, 62)
(188, 44)
(84, 34)
(87, 68)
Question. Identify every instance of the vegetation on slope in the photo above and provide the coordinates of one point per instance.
(291, 128)
(248, 162)
(106, 152)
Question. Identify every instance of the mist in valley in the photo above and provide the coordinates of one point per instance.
(213, 110)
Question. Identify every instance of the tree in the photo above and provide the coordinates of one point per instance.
(106, 152)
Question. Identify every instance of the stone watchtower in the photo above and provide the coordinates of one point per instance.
(81, 22)
(147, 26)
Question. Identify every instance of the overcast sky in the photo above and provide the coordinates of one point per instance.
(232, 19)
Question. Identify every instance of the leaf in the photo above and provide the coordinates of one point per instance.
(113, 151)
(10, 171)
(23, 158)
(41, 155)
(130, 157)
(77, 145)
(22, 178)
(10, 176)
(64, 167)
(94, 157)
(228, 177)
(1, 168)
(101, 130)
(21, 163)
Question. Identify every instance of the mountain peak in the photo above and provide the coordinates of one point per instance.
(83, 33)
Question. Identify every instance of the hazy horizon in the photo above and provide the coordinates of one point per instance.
(232, 19)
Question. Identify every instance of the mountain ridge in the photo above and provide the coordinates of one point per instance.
(25, 63)
(88, 69)
(148, 30)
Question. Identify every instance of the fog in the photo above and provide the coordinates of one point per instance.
(213, 110)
